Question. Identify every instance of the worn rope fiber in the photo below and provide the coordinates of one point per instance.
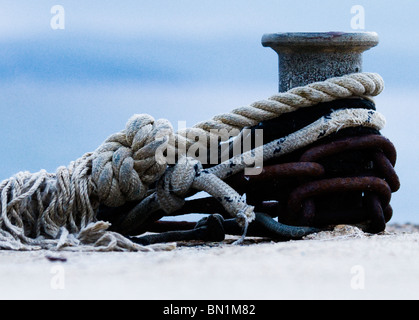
(58, 211)
(352, 85)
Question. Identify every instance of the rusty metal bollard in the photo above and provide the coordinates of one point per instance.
(309, 57)
(346, 178)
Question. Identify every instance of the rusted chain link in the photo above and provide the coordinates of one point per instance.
(283, 170)
(305, 194)
(371, 141)
(314, 187)
(329, 186)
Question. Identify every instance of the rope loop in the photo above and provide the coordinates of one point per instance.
(125, 165)
(56, 211)
(176, 182)
(188, 174)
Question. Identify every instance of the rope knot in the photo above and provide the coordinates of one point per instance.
(188, 173)
(176, 183)
(126, 164)
(53, 211)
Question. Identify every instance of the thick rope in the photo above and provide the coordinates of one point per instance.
(58, 211)
(353, 85)
(40, 210)
(170, 195)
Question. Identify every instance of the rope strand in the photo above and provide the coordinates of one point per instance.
(58, 211)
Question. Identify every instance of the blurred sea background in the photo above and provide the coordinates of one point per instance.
(63, 92)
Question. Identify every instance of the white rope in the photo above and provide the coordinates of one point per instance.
(172, 188)
(58, 211)
(353, 85)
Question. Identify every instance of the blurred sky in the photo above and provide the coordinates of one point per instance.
(64, 91)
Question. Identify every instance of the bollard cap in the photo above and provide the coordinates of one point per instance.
(320, 41)
(307, 57)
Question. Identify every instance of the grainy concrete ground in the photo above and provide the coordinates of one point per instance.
(344, 264)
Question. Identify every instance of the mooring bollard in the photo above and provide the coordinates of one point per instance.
(305, 58)
(310, 57)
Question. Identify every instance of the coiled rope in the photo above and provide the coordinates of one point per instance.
(58, 211)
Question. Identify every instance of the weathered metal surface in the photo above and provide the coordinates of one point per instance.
(348, 178)
(283, 170)
(339, 185)
(352, 143)
(310, 57)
